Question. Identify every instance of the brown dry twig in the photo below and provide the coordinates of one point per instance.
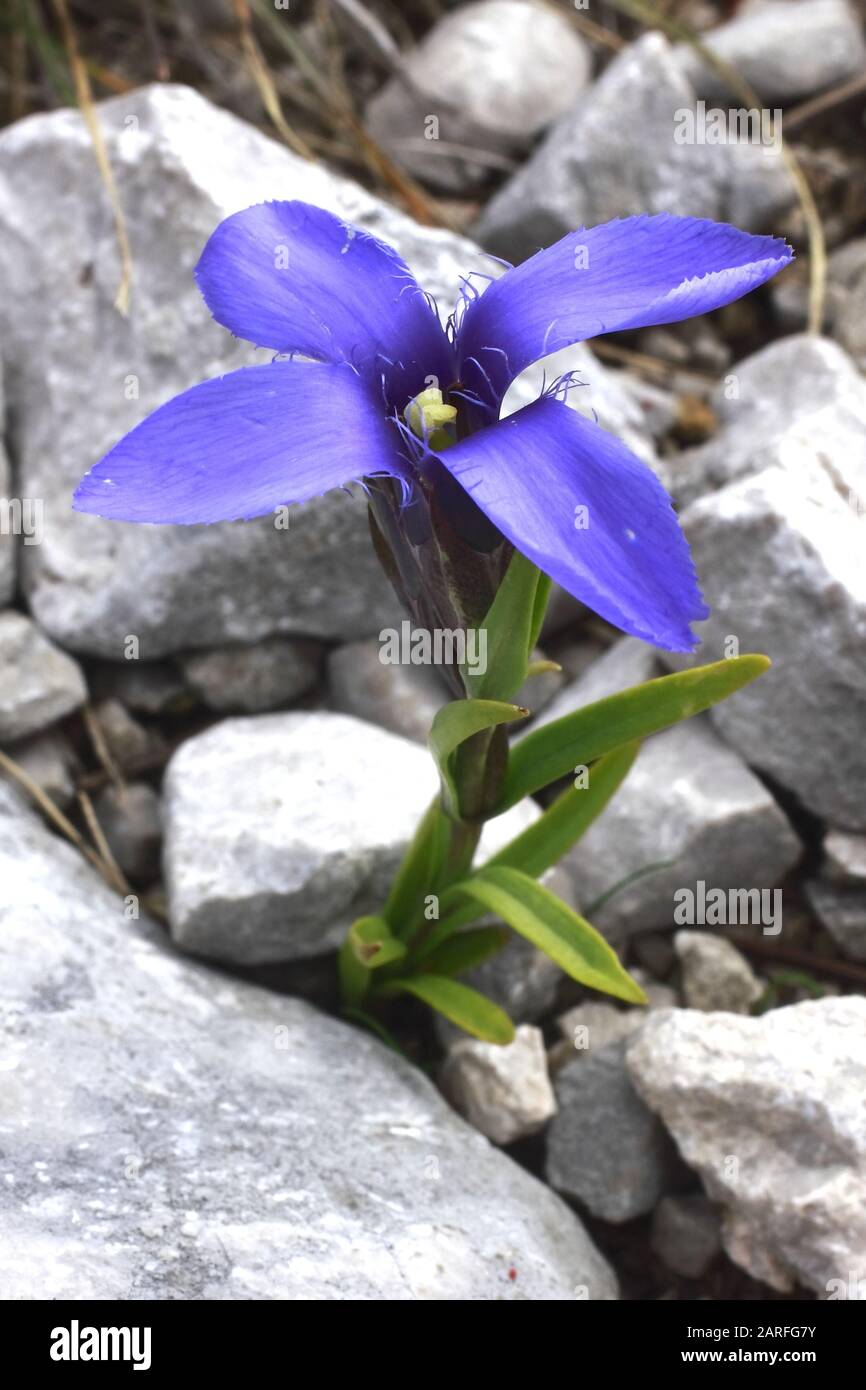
(826, 101)
(54, 814)
(111, 870)
(337, 105)
(792, 955)
(88, 111)
(261, 75)
(101, 748)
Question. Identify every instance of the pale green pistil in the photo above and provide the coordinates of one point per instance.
(428, 417)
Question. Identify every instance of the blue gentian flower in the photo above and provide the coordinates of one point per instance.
(297, 279)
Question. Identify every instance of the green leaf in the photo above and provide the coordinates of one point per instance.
(368, 946)
(453, 725)
(539, 608)
(579, 738)
(465, 950)
(459, 1004)
(418, 874)
(544, 842)
(509, 624)
(541, 667)
(552, 926)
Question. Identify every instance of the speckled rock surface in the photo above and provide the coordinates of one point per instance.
(770, 1112)
(203, 1139)
(281, 829)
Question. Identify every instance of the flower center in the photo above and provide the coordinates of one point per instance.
(431, 419)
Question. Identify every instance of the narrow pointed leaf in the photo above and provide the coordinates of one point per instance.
(458, 1003)
(555, 749)
(544, 842)
(418, 874)
(509, 625)
(465, 950)
(453, 725)
(539, 609)
(541, 667)
(552, 926)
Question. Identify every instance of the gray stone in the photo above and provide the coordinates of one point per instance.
(131, 822)
(144, 687)
(841, 910)
(274, 672)
(604, 1147)
(505, 1092)
(39, 684)
(133, 747)
(715, 975)
(169, 1133)
(846, 297)
(784, 49)
(614, 154)
(575, 653)
(659, 996)
(487, 78)
(659, 408)
(845, 857)
(780, 556)
(82, 375)
(404, 699)
(689, 802)
(799, 404)
(770, 1112)
(686, 1233)
(656, 954)
(8, 539)
(50, 761)
(592, 1025)
(281, 829)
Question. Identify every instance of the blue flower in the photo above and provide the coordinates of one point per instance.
(569, 495)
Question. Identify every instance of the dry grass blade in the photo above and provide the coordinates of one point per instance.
(422, 208)
(111, 870)
(54, 814)
(370, 33)
(587, 26)
(85, 101)
(649, 14)
(261, 76)
(655, 367)
(826, 101)
(100, 747)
